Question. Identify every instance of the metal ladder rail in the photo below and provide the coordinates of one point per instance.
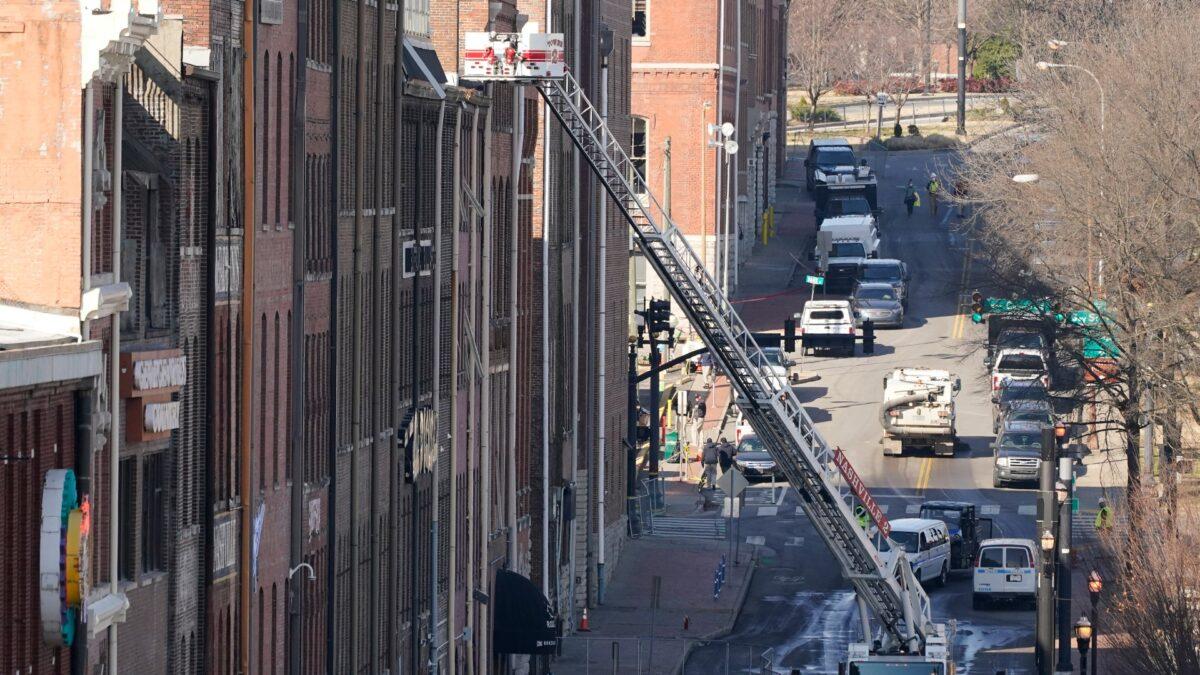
(722, 329)
(862, 567)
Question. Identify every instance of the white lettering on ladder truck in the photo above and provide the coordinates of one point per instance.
(828, 486)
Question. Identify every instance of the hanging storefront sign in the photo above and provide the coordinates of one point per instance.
(149, 381)
(63, 557)
(420, 442)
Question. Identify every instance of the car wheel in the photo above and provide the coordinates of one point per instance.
(944, 575)
(996, 482)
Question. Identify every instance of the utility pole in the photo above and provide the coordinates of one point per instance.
(925, 60)
(1044, 649)
(961, 129)
(631, 414)
(655, 362)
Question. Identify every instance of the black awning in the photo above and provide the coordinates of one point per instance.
(524, 622)
(423, 64)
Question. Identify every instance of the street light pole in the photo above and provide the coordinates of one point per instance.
(961, 130)
(1095, 585)
(1044, 651)
(1063, 583)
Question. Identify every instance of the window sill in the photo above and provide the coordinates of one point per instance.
(640, 41)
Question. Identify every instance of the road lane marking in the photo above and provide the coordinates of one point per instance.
(990, 509)
(1027, 509)
(794, 541)
(756, 541)
(768, 510)
(923, 475)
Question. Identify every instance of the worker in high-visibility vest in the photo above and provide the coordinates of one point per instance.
(1104, 517)
(863, 517)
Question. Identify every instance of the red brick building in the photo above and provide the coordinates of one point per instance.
(690, 71)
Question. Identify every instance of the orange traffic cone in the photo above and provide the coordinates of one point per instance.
(583, 623)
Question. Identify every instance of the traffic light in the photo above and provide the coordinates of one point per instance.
(658, 319)
(1059, 317)
(977, 307)
(789, 335)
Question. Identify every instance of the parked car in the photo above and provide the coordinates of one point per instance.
(888, 270)
(1005, 570)
(753, 460)
(778, 360)
(879, 302)
(1014, 365)
(1025, 410)
(827, 324)
(1017, 454)
(1013, 393)
(1019, 338)
(926, 543)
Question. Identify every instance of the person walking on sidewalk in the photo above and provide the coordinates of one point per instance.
(709, 458)
(724, 455)
(911, 198)
(932, 188)
(1104, 517)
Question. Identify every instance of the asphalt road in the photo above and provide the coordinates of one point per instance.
(798, 603)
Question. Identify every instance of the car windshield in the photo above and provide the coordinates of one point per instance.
(834, 156)
(1021, 363)
(1022, 340)
(948, 516)
(881, 273)
(750, 444)
(897, 668)
(1022, 440)
(1016, 393)
(875, 294)
(753, 456)
(909, 541)
(991, 556)
(774, 356)
(1031, 416)
(856, 206)
(826, 315)
(848, 249)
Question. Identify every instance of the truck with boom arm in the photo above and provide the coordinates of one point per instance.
(918, 411)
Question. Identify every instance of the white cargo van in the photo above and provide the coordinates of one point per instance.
(926, 543)
(1006, 569)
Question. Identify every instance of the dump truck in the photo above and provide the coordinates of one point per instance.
(918, 411)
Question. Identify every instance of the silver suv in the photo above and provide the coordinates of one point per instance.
(887, 270)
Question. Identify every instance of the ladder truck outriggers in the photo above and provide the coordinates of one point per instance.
(895, 612)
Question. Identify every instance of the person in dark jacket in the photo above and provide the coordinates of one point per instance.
(709, 457)
(910, 197)
(724, 458)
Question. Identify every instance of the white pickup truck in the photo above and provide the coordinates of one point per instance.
(827, 324)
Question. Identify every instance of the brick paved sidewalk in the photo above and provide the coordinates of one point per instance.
(626, 619)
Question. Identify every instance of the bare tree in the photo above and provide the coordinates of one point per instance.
(817, 53)
(1104, 221)
(1151, 618)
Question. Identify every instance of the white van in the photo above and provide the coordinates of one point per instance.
(926, 543)
(1006, 569)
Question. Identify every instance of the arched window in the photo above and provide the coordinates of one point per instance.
(266, 136)
(275, 410)
(262, 404)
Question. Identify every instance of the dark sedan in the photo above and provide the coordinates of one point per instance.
(753, 460)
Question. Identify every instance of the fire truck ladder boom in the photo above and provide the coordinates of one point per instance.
(898, 602)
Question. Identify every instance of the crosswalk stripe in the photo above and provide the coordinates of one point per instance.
(768, 510)
(675, 527)
(1027, 509)
(990, 509)
(756, 541)
(794, 541)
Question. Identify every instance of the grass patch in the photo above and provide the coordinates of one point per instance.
(930, 142)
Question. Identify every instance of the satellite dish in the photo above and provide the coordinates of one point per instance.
(731, 147)
(727, 129)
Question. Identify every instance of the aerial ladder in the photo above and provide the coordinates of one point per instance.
(821, 474)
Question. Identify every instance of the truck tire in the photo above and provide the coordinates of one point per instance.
(944, 575)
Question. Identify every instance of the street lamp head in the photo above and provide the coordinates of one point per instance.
(1083, 632)
(1047, 541)
(1026, 178)
(1095, 583)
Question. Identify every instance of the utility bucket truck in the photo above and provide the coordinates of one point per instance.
(897, 625)
(918, 411)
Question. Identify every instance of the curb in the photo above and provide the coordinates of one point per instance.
(728, 627)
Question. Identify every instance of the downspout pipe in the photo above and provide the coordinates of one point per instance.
(435, 642)
(575, 290)
(89, 214)
(546, 374)
(356, 430)
(601, 384)
(718, 223)
(375, 413)
(510, 455)
(215, 155)
(735, 175)
(452, 439)
(397, 263)
(298, 583)
(249, 77)
(485, 397)
(331, 390)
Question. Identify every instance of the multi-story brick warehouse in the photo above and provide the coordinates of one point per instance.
(684, 81)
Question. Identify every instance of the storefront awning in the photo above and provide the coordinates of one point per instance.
(423, 64)
(524, 622)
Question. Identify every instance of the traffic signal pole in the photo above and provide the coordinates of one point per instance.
(631, 443)
(1066, 470)
(655, 362)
